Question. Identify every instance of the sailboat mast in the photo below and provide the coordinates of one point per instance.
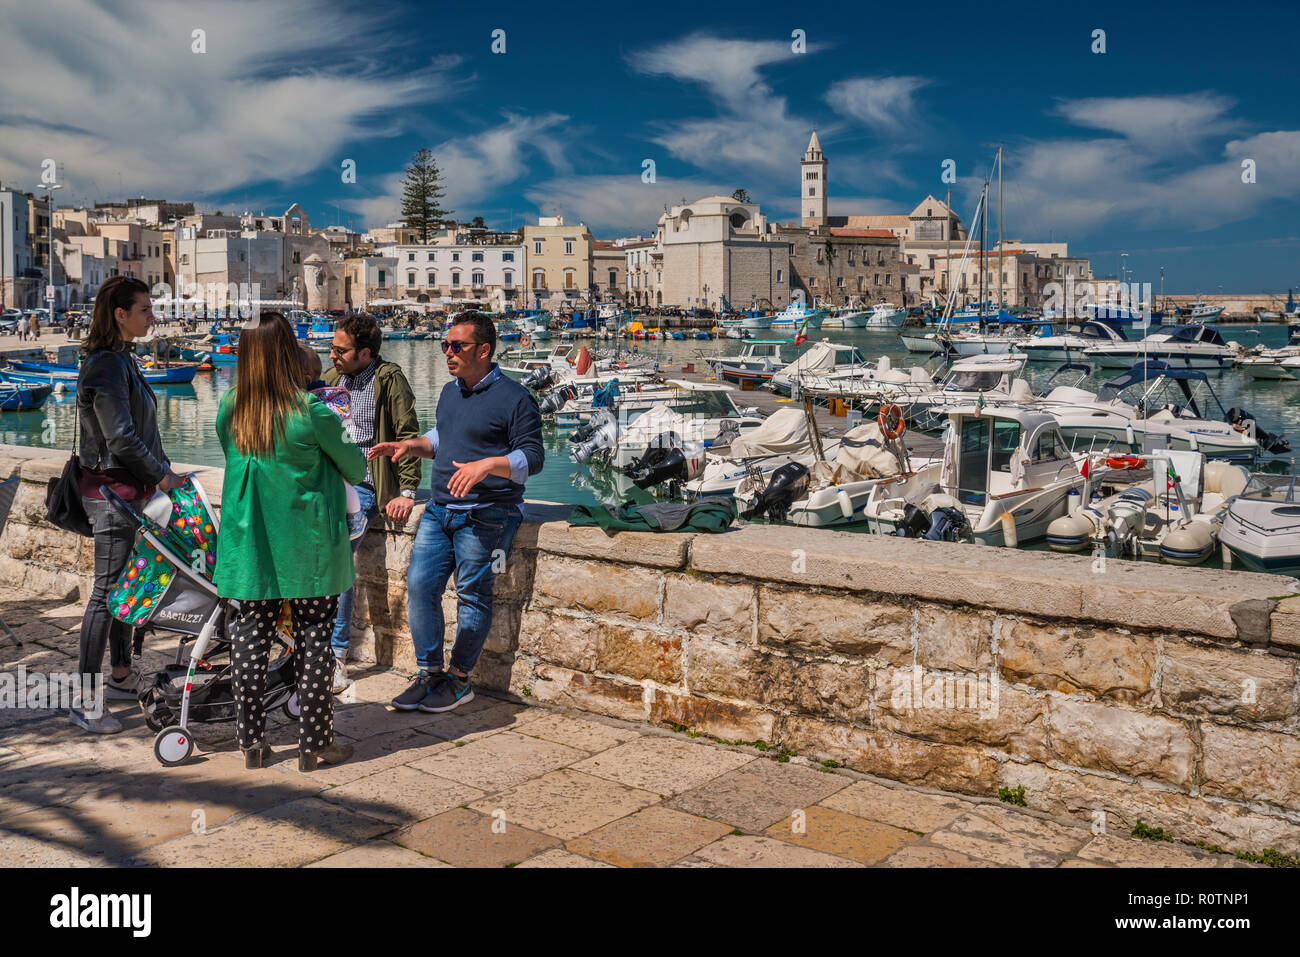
(947, 231)
(1000, 299)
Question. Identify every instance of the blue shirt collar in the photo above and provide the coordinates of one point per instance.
(492, 375)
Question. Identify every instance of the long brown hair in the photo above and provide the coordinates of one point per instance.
(268, 384)
(118, 292)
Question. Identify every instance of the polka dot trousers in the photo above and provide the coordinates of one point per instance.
(250, 636)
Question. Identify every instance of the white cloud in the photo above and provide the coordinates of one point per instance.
(279, 94)
(752, 129)
(885, 104)
(1161, 123)
(1147, 176)
(475, 167)
(614, 205)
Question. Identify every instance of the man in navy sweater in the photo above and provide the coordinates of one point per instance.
(487, 441)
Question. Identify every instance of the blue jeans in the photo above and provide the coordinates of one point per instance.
(342, 636)
(474, 544)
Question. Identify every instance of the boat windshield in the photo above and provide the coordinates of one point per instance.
(848, 357)
(708, 403)
(1266, 487)
(969, 381)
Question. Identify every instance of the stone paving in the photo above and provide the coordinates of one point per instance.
(496, 783)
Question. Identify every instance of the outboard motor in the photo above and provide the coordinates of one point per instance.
(543, 377)
(556, 400)
(946, 525)
(603, 436)
(1273, 444)
(786, 484)
(659, 465)
(914, 523)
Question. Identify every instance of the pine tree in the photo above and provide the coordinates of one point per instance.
(421, 193)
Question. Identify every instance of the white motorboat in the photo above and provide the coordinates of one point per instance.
(1261, 531)
(517, 363)
(1275, 365)
(1166, 407)
(1200, 311)
(753, 319)
(784, 437)
(796, 315)
(818, 359)
(1071, 345)
(885, 315)
(973, 380)
(1006, 475)
(1191, 346)
(759, 360)
(665, 426)
(1174, 517)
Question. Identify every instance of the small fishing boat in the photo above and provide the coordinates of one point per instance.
(22, 397)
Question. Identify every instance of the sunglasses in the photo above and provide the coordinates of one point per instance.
(454, 345)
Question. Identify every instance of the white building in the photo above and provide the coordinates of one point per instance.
(440, 272)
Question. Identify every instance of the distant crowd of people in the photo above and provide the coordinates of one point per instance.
(312, 459)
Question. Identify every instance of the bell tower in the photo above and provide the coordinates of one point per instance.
(812, 184)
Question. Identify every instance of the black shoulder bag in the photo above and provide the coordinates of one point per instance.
(63, 505)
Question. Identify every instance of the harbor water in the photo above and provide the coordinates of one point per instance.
(187, 413)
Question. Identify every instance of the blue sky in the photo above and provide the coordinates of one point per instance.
(1137, 149)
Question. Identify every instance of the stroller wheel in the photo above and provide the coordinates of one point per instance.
(173, 746)
(292, 710)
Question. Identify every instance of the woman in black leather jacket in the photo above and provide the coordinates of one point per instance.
(120, 447)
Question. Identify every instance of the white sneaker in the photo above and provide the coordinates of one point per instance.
(104, 724)
(341, 682)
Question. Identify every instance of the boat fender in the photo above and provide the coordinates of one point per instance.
(845, 503)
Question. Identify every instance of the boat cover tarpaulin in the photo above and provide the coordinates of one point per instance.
(862, 455)
(660, 517)
(784, 431)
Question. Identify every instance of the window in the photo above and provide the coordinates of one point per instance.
(431, 280)
(507, 257)
(888, 277)
(812, 190)
(476, 257)
(569, 279)
(432, 257)
(410, 280)
(813, 282)
(539, 279)
(840, 282)
(876, 280)
(928, 212)
(185, 259)
(537, 247)
(1006, 438)
(455, 257)
(455, 279)
(613, 277)
(297, 256)
(410, 257)
(509, 281)
(167, 249)
(1051, 448)
(568, 247)
(381, 279)
(477, 279)
(820, 253)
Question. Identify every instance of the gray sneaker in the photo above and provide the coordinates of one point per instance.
(104, 724)
(122, 689)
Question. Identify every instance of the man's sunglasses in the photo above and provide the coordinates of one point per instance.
(453, 345)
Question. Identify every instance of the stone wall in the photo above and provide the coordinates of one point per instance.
(1147, 691)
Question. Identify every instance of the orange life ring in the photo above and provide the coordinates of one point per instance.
(1125, 462)
(890, 412)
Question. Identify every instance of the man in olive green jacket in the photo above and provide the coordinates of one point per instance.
(383, 410)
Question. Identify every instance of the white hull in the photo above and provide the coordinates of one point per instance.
(1126, 358)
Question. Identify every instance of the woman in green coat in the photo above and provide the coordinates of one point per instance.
(284, 534)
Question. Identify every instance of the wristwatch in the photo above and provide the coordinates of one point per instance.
(407, 493)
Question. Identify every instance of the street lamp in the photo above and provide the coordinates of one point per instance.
(49, 198)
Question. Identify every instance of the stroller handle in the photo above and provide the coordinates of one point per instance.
(121, 504)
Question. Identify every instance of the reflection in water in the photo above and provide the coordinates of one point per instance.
(187, 413)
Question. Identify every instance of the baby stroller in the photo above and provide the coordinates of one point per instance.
(167, 586)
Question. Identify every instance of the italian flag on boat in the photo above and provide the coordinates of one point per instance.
(802, 336)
